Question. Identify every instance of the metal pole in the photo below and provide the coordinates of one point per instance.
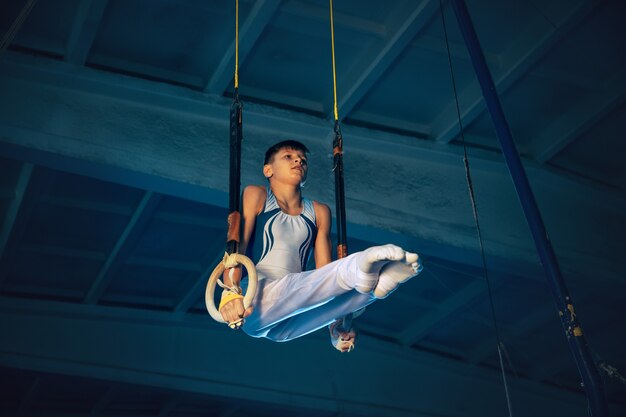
(578, 346)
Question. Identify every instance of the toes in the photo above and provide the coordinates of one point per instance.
(395, 273)
(396, 253)
(411, 257)
(393, 252)
(387, 253)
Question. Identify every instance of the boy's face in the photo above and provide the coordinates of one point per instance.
(288, 165)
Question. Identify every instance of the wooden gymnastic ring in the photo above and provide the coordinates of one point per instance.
(230, 261)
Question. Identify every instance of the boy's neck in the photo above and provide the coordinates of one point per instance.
(288, 196)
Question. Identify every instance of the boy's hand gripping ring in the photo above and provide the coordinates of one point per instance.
(230, 261)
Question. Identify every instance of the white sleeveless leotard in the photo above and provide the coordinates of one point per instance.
(290, 301)
(281, 243)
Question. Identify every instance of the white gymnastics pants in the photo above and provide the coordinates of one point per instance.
(300, 303)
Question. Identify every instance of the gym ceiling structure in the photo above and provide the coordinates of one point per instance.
(114, 194)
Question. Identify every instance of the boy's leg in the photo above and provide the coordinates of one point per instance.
(370, 263)
(297, 293)
(314, 319)
(278, 300)
(395, 273)
(392, 274)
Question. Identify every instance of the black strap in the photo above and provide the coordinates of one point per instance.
(340, 198)
(340, 204)
(234, 183)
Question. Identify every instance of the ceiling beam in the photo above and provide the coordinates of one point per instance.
(193, 267)
(127, 210)
(212, 222)
(363, 327)
(186, 158)
(454, 304)
(563, 75)
(457, 49)
(578, 119)
(320, 13)
(199, 281)
(282, 99)
(149, 301)
(379, 58)
(534, 43)
(256, 22)
(143, 213)
(74, 339)
(148, 72)
(16, 25)
(197, 106)
(470, 271)
(30, 290)
(488, 348)
(456, 268)
(101, 256)
(64, 252)
(14, 205)
(39, 183)
(101, 206)
(397, 125)
(87, 20)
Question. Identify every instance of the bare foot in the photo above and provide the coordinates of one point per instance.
(397, 272)
(343, 341)
(370, 263)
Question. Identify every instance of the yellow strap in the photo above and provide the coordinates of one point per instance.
(228, 297)
(332, 44)
(236, 43)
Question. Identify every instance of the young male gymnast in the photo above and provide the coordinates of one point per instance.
(280, 228)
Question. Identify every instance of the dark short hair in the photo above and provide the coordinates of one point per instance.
(286, 144)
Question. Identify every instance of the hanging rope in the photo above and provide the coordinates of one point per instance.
(15, 27)
(236, 137)
(236, 46)
(342, 249)
(232, 258)
(340, 198)
(470, 187)
(332, 48)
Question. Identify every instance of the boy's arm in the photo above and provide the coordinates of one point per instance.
(342, 340)
(252, 204)
(322, 241)
(252, 200)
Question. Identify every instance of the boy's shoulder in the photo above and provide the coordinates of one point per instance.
(255, 190)
(254, 198)
(321, 209)
(319, 205)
